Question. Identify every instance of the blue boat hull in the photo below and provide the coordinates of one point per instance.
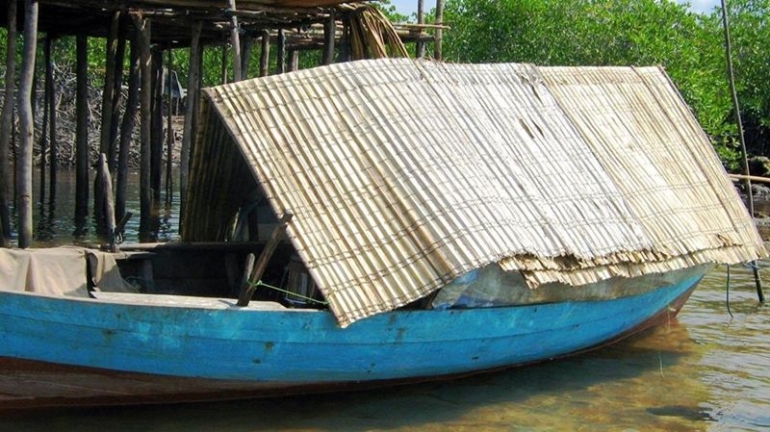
(181, 350)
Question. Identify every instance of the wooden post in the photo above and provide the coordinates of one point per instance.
(81, 136)
(109, 208)
(193, 81)
(420, 20)
(156, 140)
(108, 95)
(26, 124)
(224, 72)
(6, 125)
(437, 52)
(52, 108)
(145, 101)
(330, 27)
(47, 88)
(169, 126)
(247, 289)
(247, 42)
(264, 58)
(120, 56)
(293, 60)
(737, 110)
(344, 52)
(127, 129)
(281, 57)
(235, 40)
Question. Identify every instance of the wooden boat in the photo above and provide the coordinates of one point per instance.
(447, 219)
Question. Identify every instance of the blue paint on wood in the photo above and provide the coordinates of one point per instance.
(296, 346)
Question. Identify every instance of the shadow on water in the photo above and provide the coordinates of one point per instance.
(532, 396)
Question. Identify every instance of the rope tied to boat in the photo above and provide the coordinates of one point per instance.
(259, 283)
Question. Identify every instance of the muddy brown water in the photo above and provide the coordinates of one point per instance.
(704, 371)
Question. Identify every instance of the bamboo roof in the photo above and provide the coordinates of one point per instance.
(403, 175)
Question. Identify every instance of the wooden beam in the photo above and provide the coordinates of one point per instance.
(6, 125)
(247, 289)
(26, 124)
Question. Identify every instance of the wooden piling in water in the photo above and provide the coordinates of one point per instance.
(145, 103)
(120, 56)
(81, 135)
(193, 83)
(126, 130)
(47, 88)
(6, 125)
(169, 126)
(26, 124)
(157, 139)
(52, 123)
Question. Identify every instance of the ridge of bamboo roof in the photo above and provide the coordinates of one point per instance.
(403, 175)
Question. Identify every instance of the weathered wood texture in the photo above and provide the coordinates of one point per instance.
(26, 125)
(6, 125)
(81, 134)
(193, 83)
(126, 129)
(264, 58)
(145, 103)
(439, 35)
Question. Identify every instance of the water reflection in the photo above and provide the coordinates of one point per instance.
(56, 222)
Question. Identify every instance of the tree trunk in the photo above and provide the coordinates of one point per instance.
(26, 124)
(81, 136)
(193, 84)
(6, 125)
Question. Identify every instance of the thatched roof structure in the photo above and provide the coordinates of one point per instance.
(403, 175)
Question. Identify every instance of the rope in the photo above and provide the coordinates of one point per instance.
(259, 283)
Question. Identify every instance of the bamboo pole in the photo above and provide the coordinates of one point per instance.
(264, 58)
(330, 27)
(192, 99)
(145, 103)
(437, 45)
(6, 125)
(235, 41)
(127, 128)
(108, 95)
(420, 21)
(81, 136)
(736, 107)
(54, 148)
(26, 124)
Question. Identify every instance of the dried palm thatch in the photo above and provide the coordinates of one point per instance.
(403, 175)
(372, 35)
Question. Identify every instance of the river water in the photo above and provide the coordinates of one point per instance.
(705, 370)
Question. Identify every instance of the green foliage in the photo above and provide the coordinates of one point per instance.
(633, 32)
